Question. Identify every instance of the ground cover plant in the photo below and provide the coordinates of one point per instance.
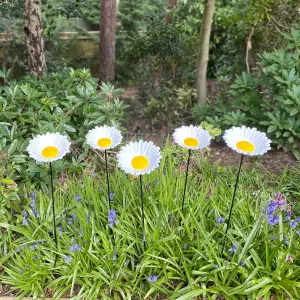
(101, 255)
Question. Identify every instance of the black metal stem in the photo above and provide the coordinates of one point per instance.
(186, 177)
(232, 201)
(107, 179)
(53, 210)
(143, 213)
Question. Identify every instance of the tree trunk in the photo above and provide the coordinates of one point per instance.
(172, 4)
(203, 54)
(107, 41)
(34, 37)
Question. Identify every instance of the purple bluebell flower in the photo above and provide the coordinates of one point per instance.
(289, 258)
(67, 259)
(242, 263)
(32, 247)
(171, 218)
(273, 220)
(286, 241)
(216, 266)
(100, 188)
(21, 271)
(72, 218)
(269, 211)
(156, 181)
(60, 230)
(112, 218)
(25, 214)
(75, 248)
(184, 246)
(220, 220)
(78, 198)
(148, 186)
(196, 233)
(294, 223)
(233, 249)
(126, 262)
(35, 257)
(288, 215)
(25, 222)
(34, 196)
(115, 256)
(88, 219)
(28, 267)
(152, 278)
(111, 196)
(23, 246)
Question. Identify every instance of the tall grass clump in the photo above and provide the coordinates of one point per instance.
(101, 256)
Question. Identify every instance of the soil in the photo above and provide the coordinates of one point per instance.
(140, 126)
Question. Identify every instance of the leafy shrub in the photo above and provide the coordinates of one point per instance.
(67, 102)
(268, 98)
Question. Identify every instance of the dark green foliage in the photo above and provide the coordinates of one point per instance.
(268, 99)
(67, 102)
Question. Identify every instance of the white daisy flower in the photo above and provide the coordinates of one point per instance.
(48, 147)
(139, 158)
(248, 141)
(104, 137)
(192, 137)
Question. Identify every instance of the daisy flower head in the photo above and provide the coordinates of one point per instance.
(139, 158)
(192, 137)
(104, 137)
(248, 141)
(48, 147)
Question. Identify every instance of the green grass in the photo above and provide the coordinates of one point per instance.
(257, 269)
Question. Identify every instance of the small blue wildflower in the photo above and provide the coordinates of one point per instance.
(72, 240)
(184, 246)
(288, 215)
(60, 230)
(35, 257)
(233, 249)
(148, 186)
(34, 196)
(115, 256)
(286, 241)
(126, 262)
(273, 220)
(25, 214)
(294, 223)
(242, 263)
(156, 181)
(112, 218)
(67, 259)
(216, 266)
(88, 219)
(75, 247)
(23, 246)
(94, 174)
(21, 271)
(28, 267)
(25, 222)
(171, 219)
(78, 198)
(32, 247)
(196, 234)
(220, 220)
(72, 218)
(111, 196)
(152, 278)
(100, 188)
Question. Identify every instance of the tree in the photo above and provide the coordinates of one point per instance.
(34, 37)
(107, 41)
(203, 53)
(171, 6)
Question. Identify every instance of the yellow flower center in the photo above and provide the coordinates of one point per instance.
(50, 152)
(245, 146)
(104, 142)
(140, 162)
(191, 142)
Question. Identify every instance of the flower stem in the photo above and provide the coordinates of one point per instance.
(232, 201)
(143, 213)
(53, 210)
(107, 180)
(186, 177)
